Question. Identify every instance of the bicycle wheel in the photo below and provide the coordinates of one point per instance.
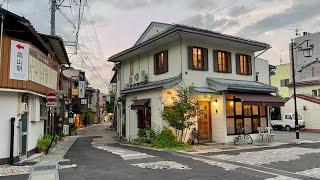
(248, 139)
(236, 140)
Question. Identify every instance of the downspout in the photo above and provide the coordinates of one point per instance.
(1, 34)
(12, 140)
(180, 43)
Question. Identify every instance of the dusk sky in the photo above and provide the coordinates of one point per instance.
(119, 23)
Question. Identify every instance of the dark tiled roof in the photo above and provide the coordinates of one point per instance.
(153, 85)
(240, 85)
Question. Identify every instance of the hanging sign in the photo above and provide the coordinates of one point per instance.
(19, 63)
(81, 89)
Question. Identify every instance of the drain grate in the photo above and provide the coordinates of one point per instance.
(44, 167)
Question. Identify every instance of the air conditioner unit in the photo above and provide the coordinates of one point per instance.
(130, 80)
(136, 78)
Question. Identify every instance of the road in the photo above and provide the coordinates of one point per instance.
(105, 159)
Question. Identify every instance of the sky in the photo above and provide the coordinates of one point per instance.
(110, 26)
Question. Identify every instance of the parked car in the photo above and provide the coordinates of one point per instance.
(287, 122)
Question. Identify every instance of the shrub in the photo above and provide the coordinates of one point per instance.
(44, 142)
(146, 135)
(60, 134)
(166, 140)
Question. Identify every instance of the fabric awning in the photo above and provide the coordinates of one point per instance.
(140, 104)
(260, 99)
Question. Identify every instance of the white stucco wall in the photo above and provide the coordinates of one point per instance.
(262, 70)
(35, 125)
(131, 115)
(310, 115)
(305, 89)
(8, 104)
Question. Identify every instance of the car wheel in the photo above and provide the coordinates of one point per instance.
(288, 128)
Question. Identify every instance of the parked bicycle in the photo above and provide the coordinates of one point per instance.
(242, 136)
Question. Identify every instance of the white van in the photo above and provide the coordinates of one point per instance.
(287, 122)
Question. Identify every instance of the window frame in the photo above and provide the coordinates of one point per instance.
(202, 58)
(225, 64)
(243, 116)
(244, 64)
(164, 69)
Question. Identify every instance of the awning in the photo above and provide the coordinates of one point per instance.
(140, 104)
(260, 99)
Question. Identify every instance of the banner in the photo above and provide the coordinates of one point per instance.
(81, 89)
(19, 63)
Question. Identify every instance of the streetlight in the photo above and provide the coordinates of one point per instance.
(307, 52)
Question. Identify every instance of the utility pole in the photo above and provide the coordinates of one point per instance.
(53, 17)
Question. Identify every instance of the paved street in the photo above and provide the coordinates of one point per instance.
(95, 155)
(96, 159)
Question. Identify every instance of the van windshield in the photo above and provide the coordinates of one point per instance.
(299, 117)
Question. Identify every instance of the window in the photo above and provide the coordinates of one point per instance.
(131, 68)
(318, 92)
(144, 118)
(222, 61)
(243, 64)
(161, 62)
(288, 116)
(284, 82)
(314, 93)
(246, 116)
(197, 58)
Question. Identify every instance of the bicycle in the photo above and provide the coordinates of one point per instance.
(242, 136)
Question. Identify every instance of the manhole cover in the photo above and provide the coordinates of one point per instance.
(45, 167)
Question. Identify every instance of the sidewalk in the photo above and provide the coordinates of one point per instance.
(48, 167)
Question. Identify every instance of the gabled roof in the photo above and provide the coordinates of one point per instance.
(309, 64)
(175, 30)
(308, 98)
(157, 26)
(240, 85)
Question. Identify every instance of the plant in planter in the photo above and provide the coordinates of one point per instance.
(60, 135)
(44, 142)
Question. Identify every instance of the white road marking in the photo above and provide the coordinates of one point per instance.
(315, 172)
(124, 153)
(162, 165)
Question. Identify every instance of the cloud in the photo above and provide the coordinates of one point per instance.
(295, 14)
(201, 5)
(238, 11)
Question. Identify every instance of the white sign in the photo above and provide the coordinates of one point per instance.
(81, 89)
(19, 62)
(83, 101)
(51, 104)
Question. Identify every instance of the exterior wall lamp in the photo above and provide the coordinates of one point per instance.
(215, 103)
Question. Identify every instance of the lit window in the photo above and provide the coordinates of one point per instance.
(197, 59)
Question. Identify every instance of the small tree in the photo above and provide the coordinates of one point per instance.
(180, 114)
(110, 104)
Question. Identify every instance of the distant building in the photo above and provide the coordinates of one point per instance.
(281, 78)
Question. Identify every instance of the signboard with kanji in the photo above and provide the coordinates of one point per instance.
(81, 89)
(19, 62)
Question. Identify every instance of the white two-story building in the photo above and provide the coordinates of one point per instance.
(221, 67)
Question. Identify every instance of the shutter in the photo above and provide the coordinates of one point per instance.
(229, 64)
(190, 53)
(205, 59)
(238, 63)
(215, 60)
(155, 64)
(249, 65)
(166, 65)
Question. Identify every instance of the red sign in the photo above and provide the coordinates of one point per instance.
(51, 97)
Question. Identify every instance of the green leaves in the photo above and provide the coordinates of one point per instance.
(182, 111)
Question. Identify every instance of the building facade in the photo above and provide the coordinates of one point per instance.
(29, 69)
(281, 79)
(221, 67)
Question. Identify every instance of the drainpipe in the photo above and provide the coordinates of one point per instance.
(1, 34)
(12, 140)
(180, 42)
